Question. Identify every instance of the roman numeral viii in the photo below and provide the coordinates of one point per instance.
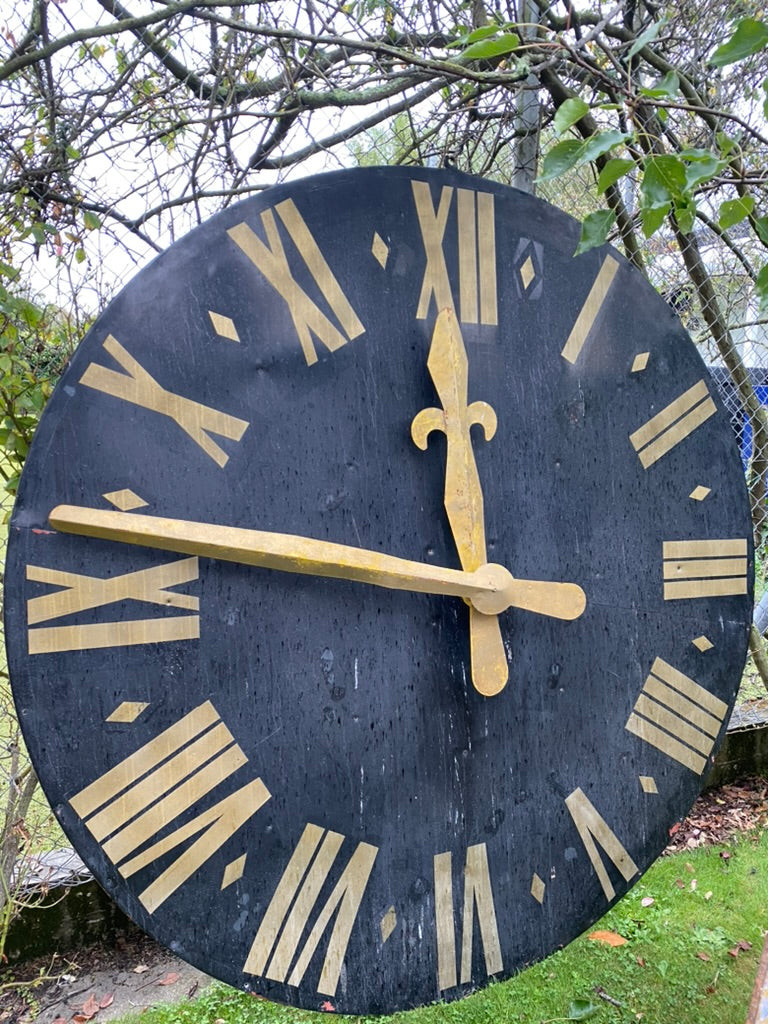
(677, 716)
(287, 917)
(476, 253)
(478, 896)
(271, 259)
(80, 593)
(133, 803)
(139, 388)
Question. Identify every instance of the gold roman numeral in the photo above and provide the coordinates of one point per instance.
(277, 940)
(271, 260)
(478, 896)
(84, 592)
(593, 829)
(677, 716)
(673, 424)
(139, 388)
(588, 313)
(135, 801)
(476, 253)
(704, 568)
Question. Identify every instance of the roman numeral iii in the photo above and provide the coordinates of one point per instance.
(133, 803)
(704, 568)
(271, 259)
(139, 388)
(478, 898)
(80, 593)
(677, 716)
(277, 941)
(476, 253)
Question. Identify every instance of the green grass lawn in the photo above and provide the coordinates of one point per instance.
(694, 932)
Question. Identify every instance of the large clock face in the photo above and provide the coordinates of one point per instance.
(373, 778)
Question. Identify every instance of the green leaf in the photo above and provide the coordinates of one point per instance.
(582, 1009)
(761, 227)
(492, 47)
(652, 217)
(616, 168)
(483, 32)
(38, 232)
(733, 211)
(79, 255)
(664, 179)
(750, 36)
(6, 270)
(761, 287)
(685, 214)
(704, 165)
(599, 144)
(91, 221)
(569, 113)
(646, 37)
(561, 158)
(666, 88)
(594, 230)
(726, 143)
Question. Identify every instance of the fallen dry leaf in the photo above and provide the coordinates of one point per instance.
(647, 901)
(140, 969)
(327, 1005)
(90, 1007)
(708, 895)
(106, 1000)
(679, 883)
(725, 855)
(610, 938)
(694, 884)
(58, 1020)
(704, 956)
(689, 867)
(170, 979)
(640, 961)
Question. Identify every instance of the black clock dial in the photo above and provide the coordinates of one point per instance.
(324, 789)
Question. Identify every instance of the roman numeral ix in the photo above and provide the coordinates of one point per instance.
(80, 593)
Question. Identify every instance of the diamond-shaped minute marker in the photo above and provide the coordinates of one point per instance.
(224, 326)
(128, 711)
(527, 273)
(537, 888)
(126, 500)
(700, 493)
(703, 643)
(648, 783)
(380, 250)
(640, 362)
(388, 923)
(233, 871)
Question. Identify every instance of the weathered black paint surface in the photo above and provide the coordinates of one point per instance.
(354, 703)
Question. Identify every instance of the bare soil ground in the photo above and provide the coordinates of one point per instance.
(100, 983)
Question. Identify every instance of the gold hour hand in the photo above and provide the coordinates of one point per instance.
(463, 496)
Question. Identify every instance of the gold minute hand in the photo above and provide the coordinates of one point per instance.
(447, 365)
(490, 587)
